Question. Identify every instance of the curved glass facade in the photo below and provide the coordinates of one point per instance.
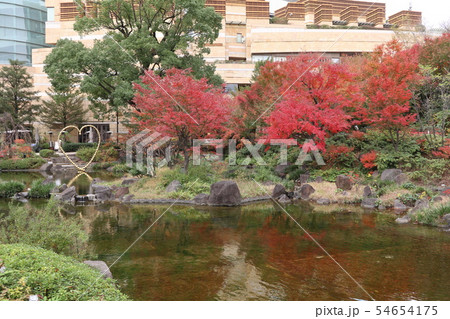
(22, 28)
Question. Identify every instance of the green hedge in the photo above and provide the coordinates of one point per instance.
(46, 153)
(36, 271)
(25, 163)
(10, 189)
(73, 147)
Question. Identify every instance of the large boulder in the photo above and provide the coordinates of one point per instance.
(278, 191)
(284, 199)
(121, 192)
(67, 194)
(304, 192)
(225, 193)
(390, 174)
(102, 193)
(201, 199)
(174, 186)
(100, 266)
(344, 182)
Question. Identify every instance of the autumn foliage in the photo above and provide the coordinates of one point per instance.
(181, 107)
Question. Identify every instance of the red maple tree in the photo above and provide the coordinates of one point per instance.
(181, 107)
(387, 77)
(317, 98)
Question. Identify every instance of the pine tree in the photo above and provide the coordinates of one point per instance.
(62, 109)
(16, 95)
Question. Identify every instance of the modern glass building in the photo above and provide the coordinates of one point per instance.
(22, 28)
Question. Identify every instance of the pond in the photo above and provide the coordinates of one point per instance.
(257, 252)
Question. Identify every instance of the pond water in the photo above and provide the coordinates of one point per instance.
(257, 252)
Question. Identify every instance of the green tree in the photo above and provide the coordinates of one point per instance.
(16, 95)
(141, 35)
(63, 108)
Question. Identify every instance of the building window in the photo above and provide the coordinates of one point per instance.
(239, 38)
(50, 14)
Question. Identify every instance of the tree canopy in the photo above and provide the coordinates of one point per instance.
(140, 35)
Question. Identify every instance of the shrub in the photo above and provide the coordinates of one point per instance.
(46, 153)
(86, 153)
(120, 169)
(43, 228)
(40, 190)
(408, 199)
(368, 160)
(36, 271)
(25, 163)
(101, 166)
(432, 215)
(197, 180)
(339, 155)
(73, 147)
(10, 189)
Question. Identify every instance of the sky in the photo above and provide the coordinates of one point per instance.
(434, 12)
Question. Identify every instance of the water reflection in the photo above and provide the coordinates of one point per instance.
(257, 253)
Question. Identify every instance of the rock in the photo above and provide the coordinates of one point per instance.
(401, 178)
(437, 199)
(102, 193)
(67, 194)
(422, 203)
(381, 207)
(284, 199)
(129, 181)
(127, 198)
(319, 179)
(225, 193)
(33, 298)
(201, 199)
(367, 192)
(278, 191)
(398, 205)
(59, 189)
(446, 217)
(2, 269)
(305, 191)
(280, 170)
(101, 266)
(174, 186)
(369, 203)
(47, 167)
(403, 220)
(344, 182)
(121, 192)
(390, 174)
(323, 201)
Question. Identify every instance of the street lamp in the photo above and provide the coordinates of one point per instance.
(50, 133)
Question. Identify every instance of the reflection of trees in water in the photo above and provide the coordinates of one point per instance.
(259, 252)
